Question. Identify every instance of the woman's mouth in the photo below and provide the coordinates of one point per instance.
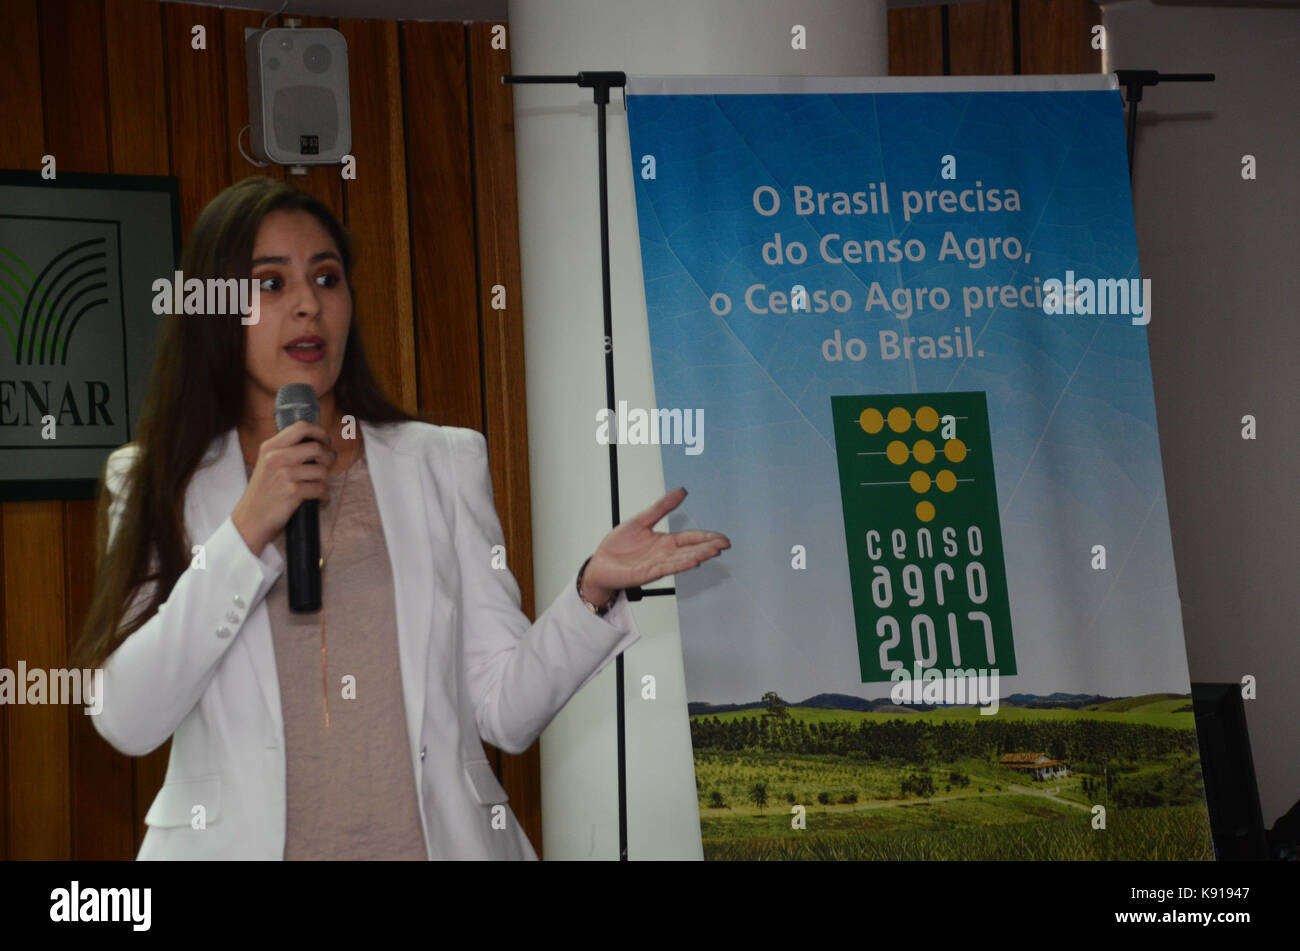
(306, 349)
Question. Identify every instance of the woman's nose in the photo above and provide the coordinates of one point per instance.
(308, 301)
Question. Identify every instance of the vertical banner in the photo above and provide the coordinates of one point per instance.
(898, 335)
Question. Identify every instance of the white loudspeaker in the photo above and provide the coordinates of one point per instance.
(298, 103)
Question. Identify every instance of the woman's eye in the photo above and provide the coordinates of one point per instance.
(275, 283)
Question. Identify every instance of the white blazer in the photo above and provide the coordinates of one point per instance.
(202, 669)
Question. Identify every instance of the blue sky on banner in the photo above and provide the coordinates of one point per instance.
(1070, 400)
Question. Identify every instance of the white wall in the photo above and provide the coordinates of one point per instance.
(555, 134)
(1222, 256)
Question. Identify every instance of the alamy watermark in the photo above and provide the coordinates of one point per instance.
(1085, 297)
(61, 686)
(653, 427)
(215, 296)
(85, 904)
(956, 685)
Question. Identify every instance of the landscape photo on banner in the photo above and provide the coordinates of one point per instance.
(909, 323)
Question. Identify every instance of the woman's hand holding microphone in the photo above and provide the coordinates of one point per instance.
(292, 466)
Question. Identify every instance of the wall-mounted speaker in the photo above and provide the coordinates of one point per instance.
(298, 103)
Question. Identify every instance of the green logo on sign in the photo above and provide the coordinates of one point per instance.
(924, 540)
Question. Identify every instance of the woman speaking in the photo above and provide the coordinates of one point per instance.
(352, 732)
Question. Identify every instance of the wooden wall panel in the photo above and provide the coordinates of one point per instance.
(497, 215)
(442, 225)
(139, 143)
(916, 41)
(376, 205)
(1056, 37)
(980, 39)
(72, 32)
(23, 142)
(196, 88)
(39, 787)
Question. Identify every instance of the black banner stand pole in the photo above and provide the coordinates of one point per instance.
(600, 82)
(1134, 81)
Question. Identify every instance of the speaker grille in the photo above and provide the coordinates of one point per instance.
(305, 113)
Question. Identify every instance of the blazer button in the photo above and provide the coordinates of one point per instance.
(223, 631)
(239, 602)
(422, 749)
(232, 617)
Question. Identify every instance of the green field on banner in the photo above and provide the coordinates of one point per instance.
(947, 783)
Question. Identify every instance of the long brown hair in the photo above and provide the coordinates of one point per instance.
(196, 393)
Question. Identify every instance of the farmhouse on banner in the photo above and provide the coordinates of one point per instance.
(1039, 765)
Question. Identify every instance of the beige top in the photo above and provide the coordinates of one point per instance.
(351, 787)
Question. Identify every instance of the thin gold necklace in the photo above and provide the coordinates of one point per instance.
(338, 507)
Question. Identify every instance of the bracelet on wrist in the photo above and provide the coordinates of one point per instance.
(601, 610)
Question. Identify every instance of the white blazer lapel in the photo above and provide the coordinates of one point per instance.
(399, 477)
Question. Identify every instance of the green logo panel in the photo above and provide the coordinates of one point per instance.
(924, 539)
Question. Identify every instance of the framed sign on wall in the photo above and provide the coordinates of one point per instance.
(78, 257)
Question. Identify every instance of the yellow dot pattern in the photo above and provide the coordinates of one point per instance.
(921, 452)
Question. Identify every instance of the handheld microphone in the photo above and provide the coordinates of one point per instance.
(297, 401)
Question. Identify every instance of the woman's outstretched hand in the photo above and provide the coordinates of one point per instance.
(635, 554)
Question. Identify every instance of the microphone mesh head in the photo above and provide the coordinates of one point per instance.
(296, 401)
